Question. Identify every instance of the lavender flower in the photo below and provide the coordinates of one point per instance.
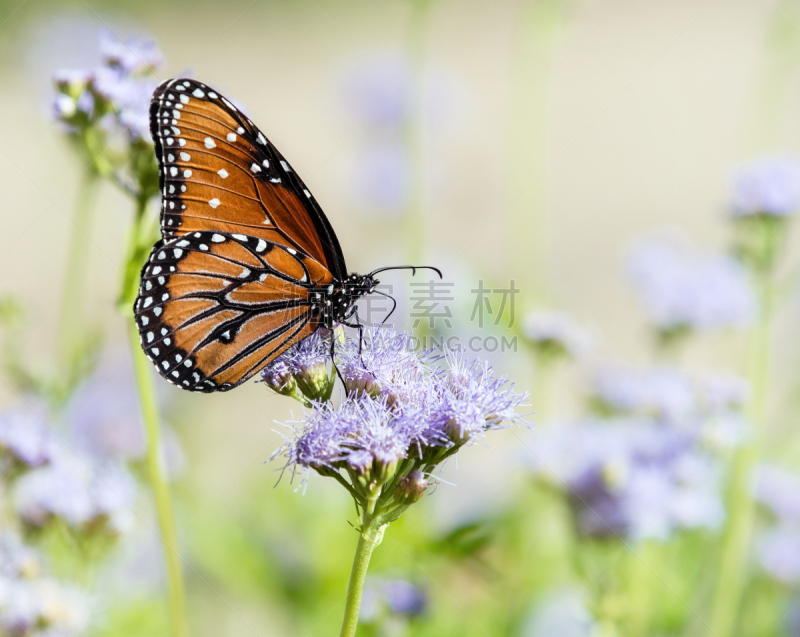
(663, 392)
(386, 364)
(17, 560)
(779, 490)
(115, 96)
(631, 478)
(88, 498)
(105, 423)
(556, 335)
(767, 186)
(397, 597)
(134, 56)
(25, 441)
(685, 290)
(302, 371)
(778, 552)
(32, 603)
(43, 608)
(723, 393)
(410, 415)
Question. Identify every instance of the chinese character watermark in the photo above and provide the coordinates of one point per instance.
(483, 303)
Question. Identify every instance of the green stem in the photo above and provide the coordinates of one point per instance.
(371, 535)
(156, 470)
(75, 278)
(157, 475)
(736, 541)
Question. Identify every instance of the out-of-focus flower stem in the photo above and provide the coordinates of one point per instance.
(641, 586)
(371, 535)
(156, 469)
(157, 476)
(75, 276)
(732, 573)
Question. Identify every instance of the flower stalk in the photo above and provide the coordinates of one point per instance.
(736, 542)
(156, 473)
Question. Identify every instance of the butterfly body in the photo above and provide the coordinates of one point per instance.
(248, 265)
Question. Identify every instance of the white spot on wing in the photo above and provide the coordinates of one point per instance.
(217, 238)
(222, 173)
(214, 202)
(197, 93)
(209, 142)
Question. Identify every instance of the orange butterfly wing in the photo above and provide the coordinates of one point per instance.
(214, 308)
(219, 172)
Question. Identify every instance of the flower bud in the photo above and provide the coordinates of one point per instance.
(360, 382)
(360, 461)
(314, 380)
(411, 487)
(278, 377)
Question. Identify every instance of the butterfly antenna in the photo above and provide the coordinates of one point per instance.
(394, 305)
(413, 269)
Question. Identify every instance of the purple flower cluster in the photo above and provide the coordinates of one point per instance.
(684, 289)
(302, 371)
(767, 186)
(89, 497)
(631, 477)
(33, 604)
(114, 96)
(397, 598)
(778, 547)
(556, 335)
(403, 415)
(652, 460)
(25, 441)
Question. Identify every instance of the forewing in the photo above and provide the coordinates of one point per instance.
(219, 172)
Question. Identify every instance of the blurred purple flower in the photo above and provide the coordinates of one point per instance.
(631, 478)
(16, 558)
(377, 93)
(133, 55)
(768, 186)
(663, 392)
(556, 334)
(778, 552)
(42, 607)
(105, 420)
(116, 95)
(84, 496)
(682, 288)
(25, 439)
(381, 176)
(397, 597)
(720, 393)
(779, 490)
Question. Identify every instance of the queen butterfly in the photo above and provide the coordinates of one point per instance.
(248, 264)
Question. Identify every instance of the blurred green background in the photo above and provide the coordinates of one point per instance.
(535, 142)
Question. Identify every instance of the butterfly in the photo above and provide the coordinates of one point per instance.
(248, 264)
